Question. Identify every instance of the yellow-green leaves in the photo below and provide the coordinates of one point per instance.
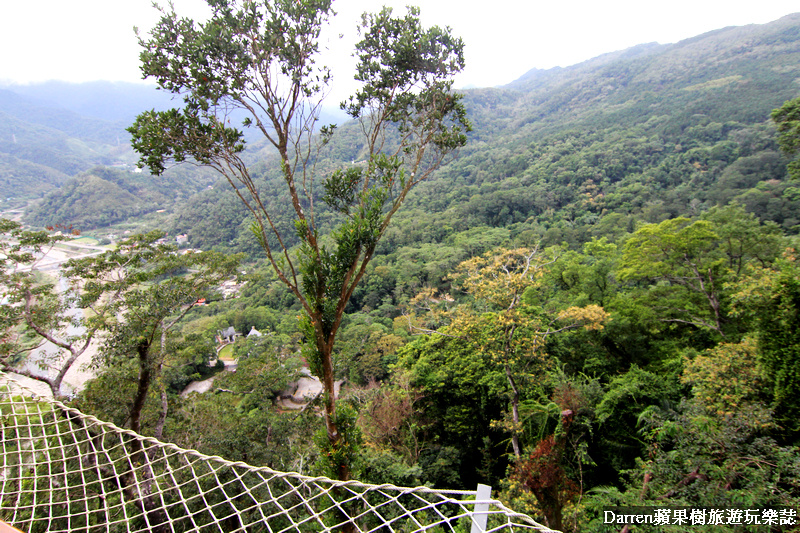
(727, 381)
(502, 321)
(592, 317)
(671, 249)
(689, 265)
(502, 276)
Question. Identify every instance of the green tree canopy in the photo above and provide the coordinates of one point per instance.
(690, 262)
(787, 118)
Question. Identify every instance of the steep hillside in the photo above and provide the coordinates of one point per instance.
(21, 179)
(54, 141)
(104, 196)
(50, 131)
(51, 147)
(569, 153)
(55, 117)
(737, 73)
(649, 132)
(643, 132)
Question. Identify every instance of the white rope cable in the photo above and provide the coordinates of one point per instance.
(64, 471)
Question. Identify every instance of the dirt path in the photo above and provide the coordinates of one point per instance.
(204, 386)
(295, 397)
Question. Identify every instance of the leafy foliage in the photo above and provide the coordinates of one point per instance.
(770, 295)
(787, 118)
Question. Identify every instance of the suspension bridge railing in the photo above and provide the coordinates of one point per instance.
(65, 471)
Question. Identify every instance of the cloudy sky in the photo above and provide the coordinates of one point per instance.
(86, 40)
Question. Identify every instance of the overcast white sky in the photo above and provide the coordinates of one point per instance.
(86, 40)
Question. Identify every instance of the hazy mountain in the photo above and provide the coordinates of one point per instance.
(713, 88)
(108, 101)
(69, 128)
(55, 141)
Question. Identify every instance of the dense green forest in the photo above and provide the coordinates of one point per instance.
(596, 304)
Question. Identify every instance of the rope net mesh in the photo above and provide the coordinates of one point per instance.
(62, 470)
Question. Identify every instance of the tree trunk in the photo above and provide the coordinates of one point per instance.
(514, 413)
(329, 385)
(162, 417)
(343, 468)
(143, 387)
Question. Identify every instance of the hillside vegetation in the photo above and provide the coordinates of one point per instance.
(596, 304)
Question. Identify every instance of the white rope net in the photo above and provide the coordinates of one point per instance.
(62, 470)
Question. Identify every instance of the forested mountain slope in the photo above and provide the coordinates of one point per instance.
(42, 145)
(628, 120)
(634, 130)
(68, 144)
(732, 74)
(103, 196)
(650, 132)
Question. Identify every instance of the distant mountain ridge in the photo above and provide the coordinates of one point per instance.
(733, 39)
(536, 78)
(56, 140)
(732, 77)
(71, 128)
(116, 102)
(731, 74)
